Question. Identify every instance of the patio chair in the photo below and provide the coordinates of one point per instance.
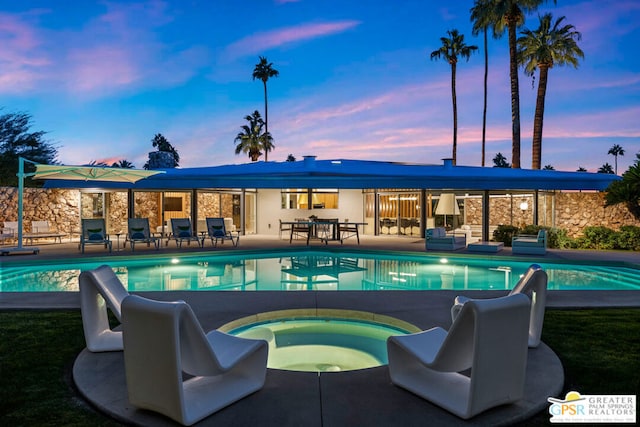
(347, 230)
(181, 230)
(534, 285)
(438, 239)
(489, 336)
(163, 341)
(283, 227)
(100, 288)
(217, 230)
(94, 232)
(530, 244)
(9, 231)
(139, 232)
(42, 230)
(300, 229)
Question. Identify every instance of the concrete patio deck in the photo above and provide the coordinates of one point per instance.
(364, 397)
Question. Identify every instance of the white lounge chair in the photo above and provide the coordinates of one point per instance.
(438, 239)
(530, 245)
(139, 232)
(42, 230)
(217, 229)
(534, 285)
(94, 232)
(181, 230)
(489, 336)
(99, 289)
(9, 231)
(164, 340)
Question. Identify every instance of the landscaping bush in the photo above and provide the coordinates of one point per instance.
(601, 238)
(628, 238)
(504, 233)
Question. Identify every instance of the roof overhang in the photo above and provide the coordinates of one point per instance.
(358, 174)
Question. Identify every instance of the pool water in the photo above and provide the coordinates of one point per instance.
(313, 270)
(323, 343)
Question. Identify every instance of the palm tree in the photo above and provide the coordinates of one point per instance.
(627, 190)
(162, 144)
(606, 168)
(581, 169)
(549, 168)
(452, 48)
(500, 161)
(510, 15)
(616, 151)
(264, 71)
(125, 164)
(541, 49)
(483, 18)
(252, 140)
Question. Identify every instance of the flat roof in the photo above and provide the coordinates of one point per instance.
(357, 174)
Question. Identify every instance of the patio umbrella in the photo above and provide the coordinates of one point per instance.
(83, 173)
(91, 173)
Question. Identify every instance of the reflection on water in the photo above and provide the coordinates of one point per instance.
(314, 270)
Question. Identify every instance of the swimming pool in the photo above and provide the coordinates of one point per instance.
(313, 270)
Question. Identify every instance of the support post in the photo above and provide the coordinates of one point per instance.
(485, 216)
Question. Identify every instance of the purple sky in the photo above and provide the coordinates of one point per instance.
(103, 77)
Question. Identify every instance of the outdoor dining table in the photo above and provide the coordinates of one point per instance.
(323, 230)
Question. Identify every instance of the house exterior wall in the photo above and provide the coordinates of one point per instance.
(572, 211)
(270, 210)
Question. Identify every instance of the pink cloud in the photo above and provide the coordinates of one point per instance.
(260, 42)
(93, 69)
(20, 60)
(113, 51)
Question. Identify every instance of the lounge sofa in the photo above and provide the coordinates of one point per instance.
(529, 244)
(437, 239)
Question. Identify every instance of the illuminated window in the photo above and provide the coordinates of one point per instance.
(299, 198)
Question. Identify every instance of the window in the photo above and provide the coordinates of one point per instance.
(299, 198)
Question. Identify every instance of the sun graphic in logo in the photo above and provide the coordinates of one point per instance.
(572, 396)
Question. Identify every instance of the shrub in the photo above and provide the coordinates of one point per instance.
(599, 238)
(504, 233)
(628, 238)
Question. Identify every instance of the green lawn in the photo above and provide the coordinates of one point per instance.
(599, 349)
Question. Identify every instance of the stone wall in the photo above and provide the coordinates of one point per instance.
(575, 211)
(572, 211)
(60, 207)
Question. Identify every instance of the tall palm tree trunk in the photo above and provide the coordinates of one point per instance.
(515, 95)
(484, 109)
(536, 148)
(266, 120)
(455, 113)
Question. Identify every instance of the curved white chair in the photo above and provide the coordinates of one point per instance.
(489, 336)
(163, 340)
(99, 289)
(533, 284)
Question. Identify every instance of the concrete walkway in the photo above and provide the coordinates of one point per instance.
(363, 397)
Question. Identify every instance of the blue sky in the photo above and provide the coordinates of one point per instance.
(356, 81)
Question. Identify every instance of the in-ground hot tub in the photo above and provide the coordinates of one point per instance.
(322, 340)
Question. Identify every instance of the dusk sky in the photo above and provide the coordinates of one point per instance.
(103, 77)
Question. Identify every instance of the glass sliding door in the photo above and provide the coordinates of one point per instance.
(399, 213)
